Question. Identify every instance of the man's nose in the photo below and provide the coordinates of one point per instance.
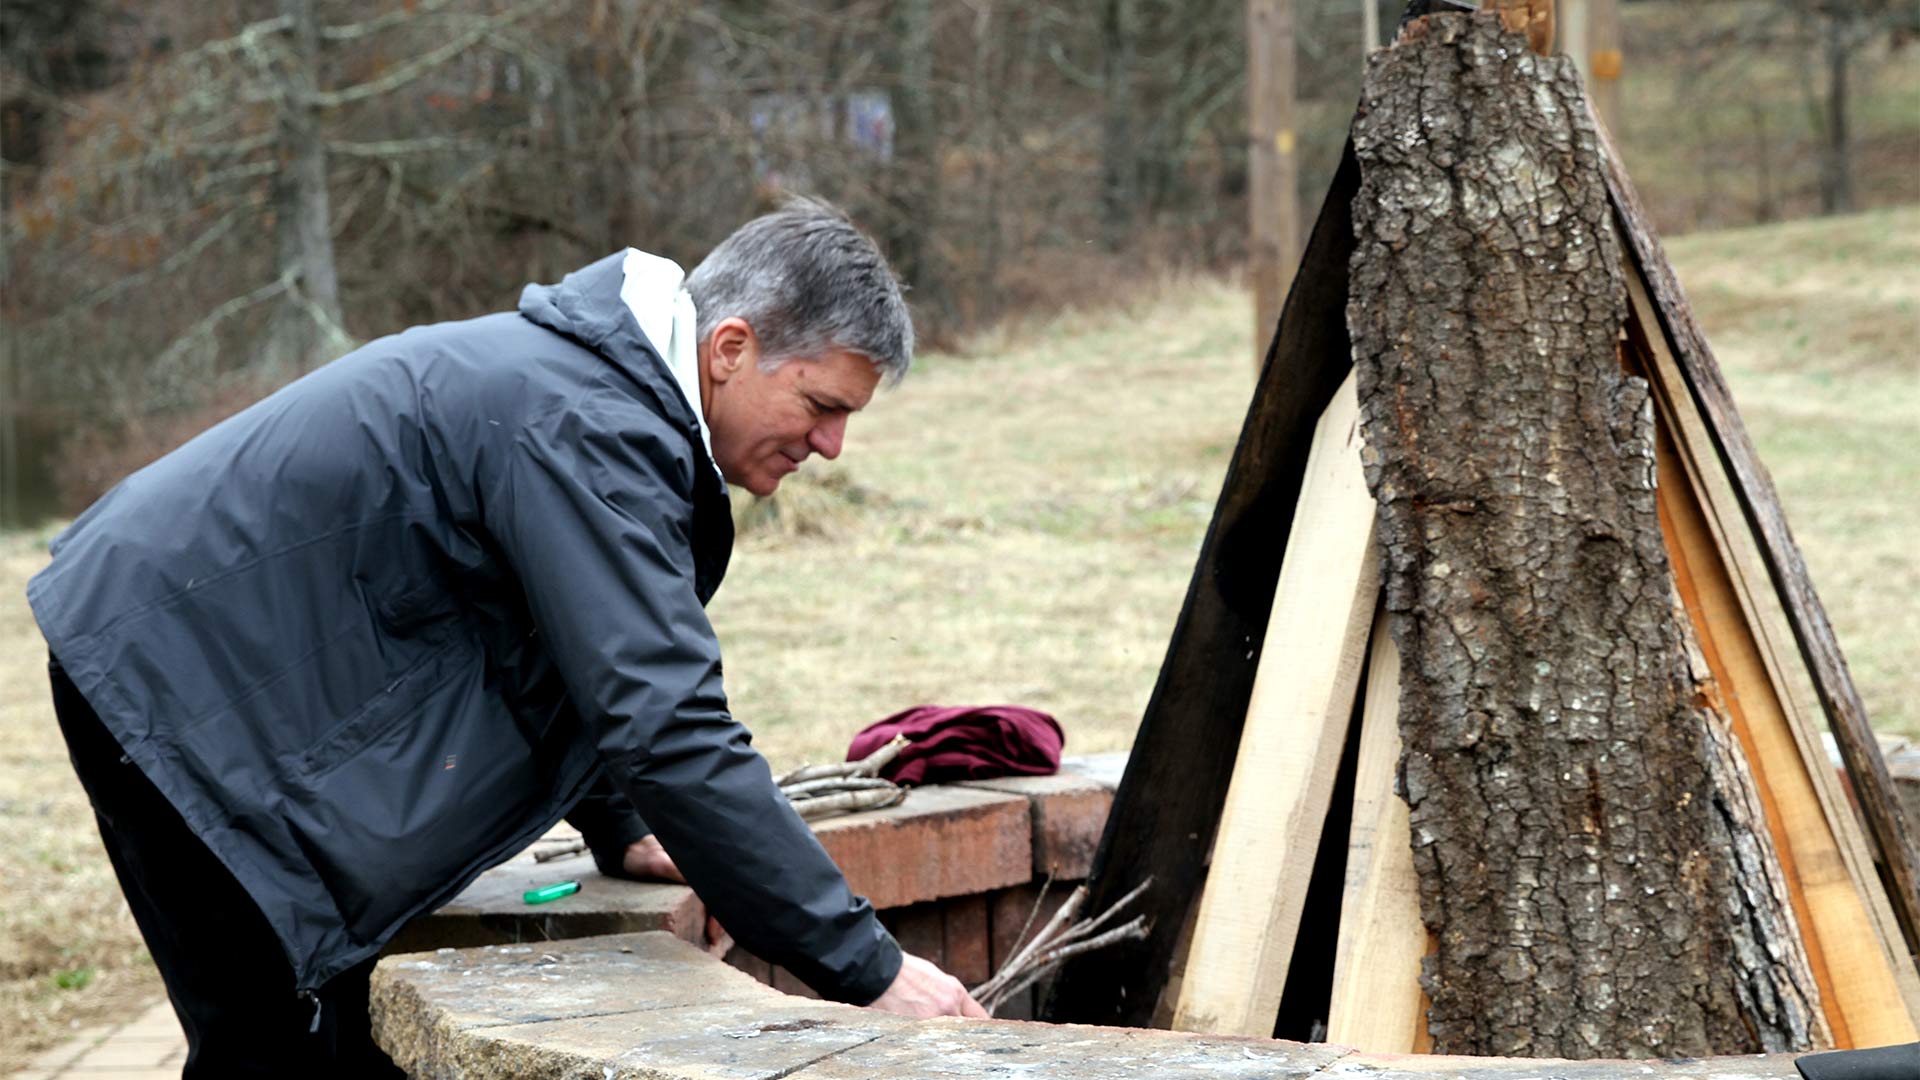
(827, 436)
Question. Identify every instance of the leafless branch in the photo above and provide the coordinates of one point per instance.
(1060, 939)
(427, 61)
(400, 16)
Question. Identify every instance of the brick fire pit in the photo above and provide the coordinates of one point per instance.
(607, 984)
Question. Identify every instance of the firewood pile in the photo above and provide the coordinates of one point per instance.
(1492, 724)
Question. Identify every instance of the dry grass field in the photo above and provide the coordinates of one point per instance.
(1018, 524)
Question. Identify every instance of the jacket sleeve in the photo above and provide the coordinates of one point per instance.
(608, 824)
(593, 510)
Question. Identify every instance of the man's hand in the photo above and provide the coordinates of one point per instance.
(648, 861)
(923, 990)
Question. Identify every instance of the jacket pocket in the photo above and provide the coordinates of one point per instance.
(436, 784)
(391, 704)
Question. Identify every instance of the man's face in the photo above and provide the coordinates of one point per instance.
(765, 423)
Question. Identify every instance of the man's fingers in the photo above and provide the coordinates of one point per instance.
(970, 1007)
(719, 942)
(647, 860)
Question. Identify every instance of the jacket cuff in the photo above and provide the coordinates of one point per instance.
(872, 978)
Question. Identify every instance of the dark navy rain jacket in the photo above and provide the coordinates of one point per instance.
(376, 633)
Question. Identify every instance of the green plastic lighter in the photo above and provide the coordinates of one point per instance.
(550, 892)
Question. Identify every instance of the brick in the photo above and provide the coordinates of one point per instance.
(157, 1020)
(1068, 811)
(965, 933)
(1006, 912)
(491, 911)
(943, 841)
(920, 930)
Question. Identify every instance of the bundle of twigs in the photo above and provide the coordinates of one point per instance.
(1060, 939)
(816, 791)
(821, 791)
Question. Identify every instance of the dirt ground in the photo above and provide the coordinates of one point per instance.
(1019, 523)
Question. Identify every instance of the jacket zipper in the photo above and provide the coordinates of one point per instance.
(313, 1028)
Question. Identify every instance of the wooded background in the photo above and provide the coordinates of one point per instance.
(204, 199)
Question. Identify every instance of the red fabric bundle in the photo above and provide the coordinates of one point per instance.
(967, 742)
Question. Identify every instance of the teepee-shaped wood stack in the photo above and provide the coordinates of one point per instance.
(1260, 793)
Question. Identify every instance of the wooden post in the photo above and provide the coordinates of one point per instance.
(1272, 168)
(1571, 22)
(1604, 61)
(1369, 30)
(1590, 36)
(1290, 748)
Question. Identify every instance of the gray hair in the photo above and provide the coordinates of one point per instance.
(808, 282)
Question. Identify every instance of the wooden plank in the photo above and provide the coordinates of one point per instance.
(1752, 488)
(1168, 804)
(1377, 1001)
(1856, 960)
(1296, 726)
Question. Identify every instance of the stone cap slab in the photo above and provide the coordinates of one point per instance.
(491, 911)
(652, 1006)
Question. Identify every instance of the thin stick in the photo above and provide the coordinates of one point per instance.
(808, 789)
(570, 847)
(1059, 940)
(1033, 913)
(866, 766)
(1011, 969)
(848, 802)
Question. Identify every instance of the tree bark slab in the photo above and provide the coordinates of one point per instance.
(1588, 844)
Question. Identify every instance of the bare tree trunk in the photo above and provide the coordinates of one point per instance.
(1836, 157)
(306, 328)
(1589, 846)
(1118, 136)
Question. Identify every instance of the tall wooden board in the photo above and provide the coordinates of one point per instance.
(1377, 1002)
(1168, 803)
(1297, 718)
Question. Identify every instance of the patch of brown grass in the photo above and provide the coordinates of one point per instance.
(70, 955)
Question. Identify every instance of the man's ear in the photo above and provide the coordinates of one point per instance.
(732, 347)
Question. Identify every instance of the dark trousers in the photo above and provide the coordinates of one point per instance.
(226, 974)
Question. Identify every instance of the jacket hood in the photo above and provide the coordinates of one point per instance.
(587, 306)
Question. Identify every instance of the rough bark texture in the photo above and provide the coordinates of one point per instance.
(1587, 845)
